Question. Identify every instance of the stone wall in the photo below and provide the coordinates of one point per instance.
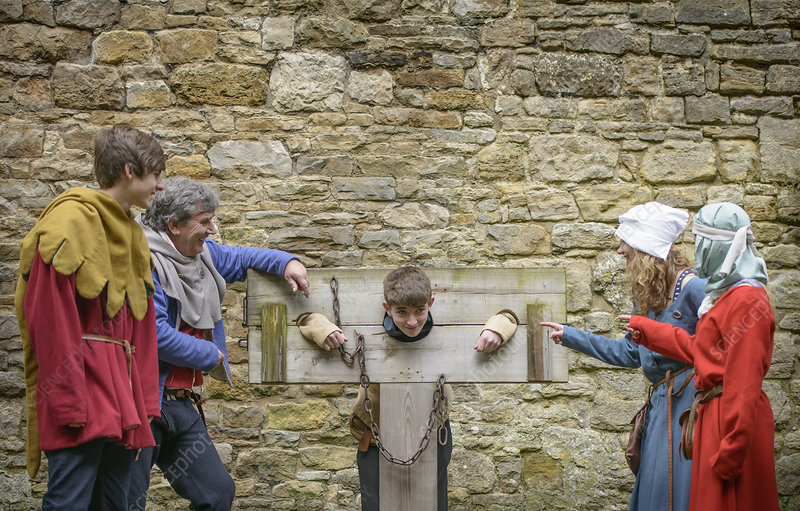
(443, 133)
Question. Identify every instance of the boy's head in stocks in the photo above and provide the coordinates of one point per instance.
(407, 298)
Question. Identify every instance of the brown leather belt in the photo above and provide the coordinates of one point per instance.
(688, 418)
(172, 394)
(129, 350)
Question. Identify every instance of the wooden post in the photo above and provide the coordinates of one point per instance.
(273, 355)
(405, 408)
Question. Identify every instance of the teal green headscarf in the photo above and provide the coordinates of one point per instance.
(724, 251)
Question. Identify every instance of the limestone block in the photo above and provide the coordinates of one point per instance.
(725, 193)
(768, 12)
(606, 40)
(374, 87)
(363, 188)
(88, 13)
(523, 82)
(20, 139)
(679, 161)
(762, 53)
(785, 287)
(413, 215)
(194, 166)
(789, 204)
(682, 77)
(331, 32)
(691, 45)
(714, 12)
(685, 196)
(769, 105)
(324, 166)
(641, 75)
(272, 463)
(411, 166)
(480, 8)
(577, 74)
(782, 256)
(760, 207)
(307, 81)
(143, 17)
(79, 86)
(573, 158)
(188, 6)
(258, 159)
(327, 457)
(277, 33)
(151, 94)
(780, 149)
(431, 78)
(783, 79)
(708, 109)
(367, 10)
(534, 8)
(454, 99)
(28, 42)
(33, 94)
(117, 46)
(666, 109)
(386, 239)
(296, 416)
(307, 493)
(502, 162)
(739, 160)
(608, 280)
(471, 469)
(584, 235)
(10, 10)
(518, 239)
(659, 13)
(181, 45)
(509, 32)
(433, 119)
(606, 202)
(312, 238)
(508, 105)
(738, 79)
(554, 108)
(221, 84)
(547, 203)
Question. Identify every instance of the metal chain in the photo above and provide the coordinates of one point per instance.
(438, 411)
(348, 358)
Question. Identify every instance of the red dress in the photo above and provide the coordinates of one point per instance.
(87, 381)
(733, 466)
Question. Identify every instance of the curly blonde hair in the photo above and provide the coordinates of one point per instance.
(650, 279)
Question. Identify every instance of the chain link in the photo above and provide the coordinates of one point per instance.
(438, 410)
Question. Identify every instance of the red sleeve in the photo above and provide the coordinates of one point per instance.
(146, 355)
(748, 328)
(51, 314)
(664, 338)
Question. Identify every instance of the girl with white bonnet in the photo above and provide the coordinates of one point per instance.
(662, 287)
(732, 451)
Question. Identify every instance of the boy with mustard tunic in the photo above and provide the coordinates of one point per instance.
(85, 311)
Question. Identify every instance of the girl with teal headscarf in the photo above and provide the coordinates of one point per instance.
(732, 450)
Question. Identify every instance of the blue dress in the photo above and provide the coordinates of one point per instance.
(650, 492)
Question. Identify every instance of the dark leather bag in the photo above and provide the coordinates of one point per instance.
(633, 452)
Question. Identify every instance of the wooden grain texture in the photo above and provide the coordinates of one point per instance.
(273, 357)
(406, 406)
(464, 299)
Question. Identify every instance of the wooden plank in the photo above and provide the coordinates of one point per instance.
(273, 345)
(406, 406)
(538, 345)
(481, 291)
(447, 349)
